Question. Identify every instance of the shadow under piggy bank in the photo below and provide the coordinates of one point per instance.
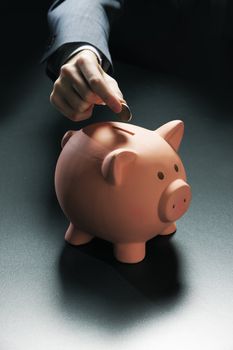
(96, 286)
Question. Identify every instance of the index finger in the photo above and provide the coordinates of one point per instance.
(97, 83)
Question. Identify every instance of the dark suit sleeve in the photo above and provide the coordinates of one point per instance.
(75, 22)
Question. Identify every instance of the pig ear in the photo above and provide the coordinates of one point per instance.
(172, 132)
(115, 164)
(66, 137)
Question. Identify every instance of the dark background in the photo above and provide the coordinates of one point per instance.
(186, 38)
(60, 297)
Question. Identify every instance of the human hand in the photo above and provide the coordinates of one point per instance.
(82, 83)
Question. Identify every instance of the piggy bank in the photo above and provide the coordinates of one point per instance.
(122, 183)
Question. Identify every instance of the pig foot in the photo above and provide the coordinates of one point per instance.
(169, 230)
(130, 252)
(75, 236)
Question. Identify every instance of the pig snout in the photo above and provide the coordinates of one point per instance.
(174, 201)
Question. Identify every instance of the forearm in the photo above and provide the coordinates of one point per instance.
(74, 22)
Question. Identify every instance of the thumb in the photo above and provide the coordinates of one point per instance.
(113, 85)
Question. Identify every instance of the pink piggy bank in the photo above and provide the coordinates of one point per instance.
(122, 183)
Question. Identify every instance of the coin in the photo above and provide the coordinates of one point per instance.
(125, 113)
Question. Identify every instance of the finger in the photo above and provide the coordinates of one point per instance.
(73, 98)
(87, 95)
(74, 77)
(79, 116)
(99, 86)
(60, 104)
(63, 107)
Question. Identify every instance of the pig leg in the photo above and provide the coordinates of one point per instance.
(169, 230)
(75, 236)
(130, 252)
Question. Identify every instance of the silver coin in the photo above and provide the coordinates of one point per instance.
(125, 114)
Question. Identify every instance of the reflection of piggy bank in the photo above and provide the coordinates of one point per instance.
(122, 183)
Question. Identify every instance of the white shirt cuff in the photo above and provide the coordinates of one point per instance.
(87, 47)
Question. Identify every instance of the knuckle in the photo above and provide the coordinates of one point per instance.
(81, 107)
(80, 60)
(94, 81)
(74, 116)
(57, 85)
(65, 70)
(75, 103)
(84, 57)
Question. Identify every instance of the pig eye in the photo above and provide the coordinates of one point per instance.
(160, 175)
(176, 168)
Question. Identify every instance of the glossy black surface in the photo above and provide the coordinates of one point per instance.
(54, 296)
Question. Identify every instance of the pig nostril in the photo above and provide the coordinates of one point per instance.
(173, 206)
(184, 200)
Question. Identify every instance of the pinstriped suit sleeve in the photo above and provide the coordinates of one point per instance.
(76, 22)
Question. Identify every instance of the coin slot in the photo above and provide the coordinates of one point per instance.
(127, 131)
